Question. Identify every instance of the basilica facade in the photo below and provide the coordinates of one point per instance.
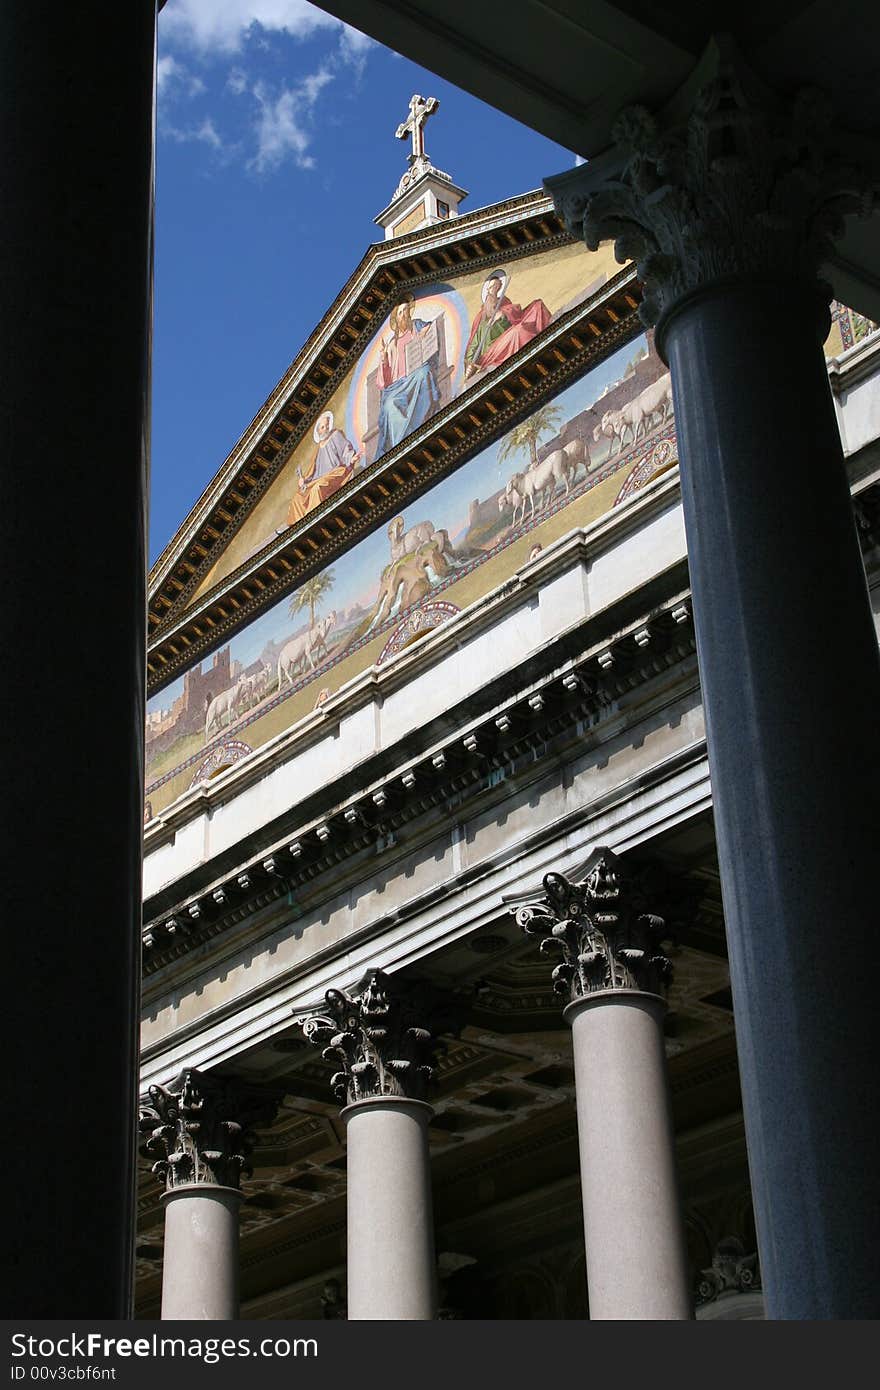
(437, 1017)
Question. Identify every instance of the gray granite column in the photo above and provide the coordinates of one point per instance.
(391, 1266)
(198, 1132)
(613, 974)
(200, 1270)
(384, 1052)
(730, 203)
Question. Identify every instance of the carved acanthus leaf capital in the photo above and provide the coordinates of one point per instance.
(730, 183)
(599, 926)
(378, 1038)
(199, 1130)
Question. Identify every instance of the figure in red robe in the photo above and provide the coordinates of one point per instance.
(501, 328)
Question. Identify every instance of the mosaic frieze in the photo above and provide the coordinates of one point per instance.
(589, 449)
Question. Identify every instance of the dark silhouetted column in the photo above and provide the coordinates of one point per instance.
(730, 210)
(76, 169)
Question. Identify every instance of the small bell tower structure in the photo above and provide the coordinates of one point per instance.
(425, 195)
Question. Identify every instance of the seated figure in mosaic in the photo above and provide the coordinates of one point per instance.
(501, 328)
(406, 378)
(333, 464)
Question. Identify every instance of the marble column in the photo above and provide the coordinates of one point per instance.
(198, 1131)
(378, 1039)
(730, 203)
(76, 170)
(613, 975)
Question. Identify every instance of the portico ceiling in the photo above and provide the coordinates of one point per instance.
(566, 67)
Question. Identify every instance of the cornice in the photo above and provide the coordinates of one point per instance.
(854, 364)
(468, 424)
(267, 1006)
(520, 736)
(180, 635)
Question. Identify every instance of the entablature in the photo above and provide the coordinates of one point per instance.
(440, 888)
(515, 730)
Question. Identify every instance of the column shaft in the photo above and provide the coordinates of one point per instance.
(200, 1267)
(391, 1264)
(76, 158)
(636, 1260)
(791, 687)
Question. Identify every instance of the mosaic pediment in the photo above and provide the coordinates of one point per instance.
(434, 342)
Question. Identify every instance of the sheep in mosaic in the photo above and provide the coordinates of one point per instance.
(300, 652)
(222, 708)
(638, 415)
(542, 478)
(656, 399)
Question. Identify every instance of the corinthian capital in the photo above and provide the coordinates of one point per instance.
(729, 182)
(378, 1038)
(198, 1129)
(599, 926)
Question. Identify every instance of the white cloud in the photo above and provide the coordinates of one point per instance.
(283, 122)
(219, 26)
(205, 134)
(210, 31)
(173, 79)
(208, 135)
(354, 47)
(167, 69)
(312, 86)
(279, 132)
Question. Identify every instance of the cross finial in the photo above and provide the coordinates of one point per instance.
(419, 111)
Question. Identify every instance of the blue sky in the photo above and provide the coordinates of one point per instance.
(276, 150)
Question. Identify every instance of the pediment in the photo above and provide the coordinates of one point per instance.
(326, 456)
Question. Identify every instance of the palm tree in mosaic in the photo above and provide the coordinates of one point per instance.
(524, 437)
(310, 595)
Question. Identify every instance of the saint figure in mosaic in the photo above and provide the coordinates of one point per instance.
(332, 465)
(406, 378)
(501, 328)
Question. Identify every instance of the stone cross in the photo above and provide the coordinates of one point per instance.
(419, 111)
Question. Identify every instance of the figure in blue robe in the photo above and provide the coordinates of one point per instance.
(406, 399)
